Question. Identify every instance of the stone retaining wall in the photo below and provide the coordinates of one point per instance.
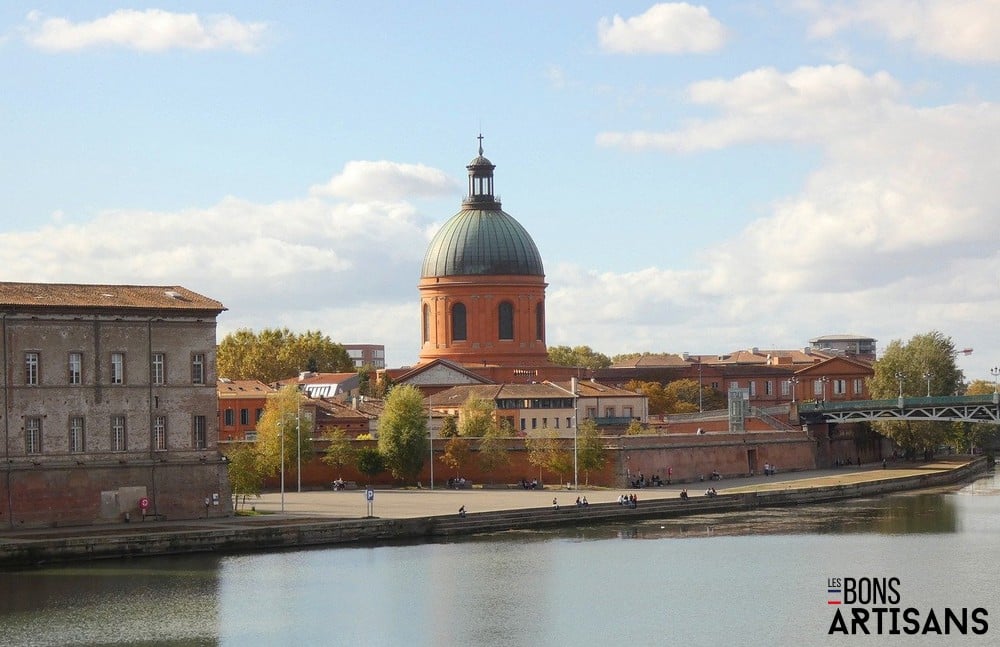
(255, 536)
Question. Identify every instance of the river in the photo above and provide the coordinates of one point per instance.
(767, 577)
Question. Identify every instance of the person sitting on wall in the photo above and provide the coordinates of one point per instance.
(684, 494)
(461, 512)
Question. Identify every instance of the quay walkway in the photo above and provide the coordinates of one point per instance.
(316, 518)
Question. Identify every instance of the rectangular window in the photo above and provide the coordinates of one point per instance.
(609, 412)
(198, 368)
(160, 433)
(534, 423)
(545, 423)
(818, 388)
(786, 387)
(118, 440)
(31, 368)
(859, 386)
(76, 444)
(522, 424)
(591, 412)
(244, 416)
(753, 387)
(157, 363)
(734, 385)
(260, 414)
(118, 368)
(839, 387)
(229, 418)
(32, 435)
(557, 422)
(76, 368)
(200, 433)
(627, 412)
(250, 436)
(768, 387)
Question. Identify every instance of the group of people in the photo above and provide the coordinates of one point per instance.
(629, 500)
(769, 469)
(654, 481)
(529, 485)
(458, 483)
(581, 502)
(711, 492)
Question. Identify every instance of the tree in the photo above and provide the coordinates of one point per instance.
(457, 453)
(582, 356)
(976, 434)
(478, 418)
(402, 432)
(274, 354)
(660, 402)
(370, 462)
(927, 358)
(590, 454)
(493, 450)
(636, 428)
(449, 427)
(339, 451)
(547, 452)
(244, 473)
(282, 417)
(684, 394)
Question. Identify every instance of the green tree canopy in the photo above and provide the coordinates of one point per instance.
(402, 432)
(244, 473)
(478, 418)
(684, 396)
(925, 359)
(583, 356)
(339, 450)
(282, 417)
(275, 354)
(549, 453)
(590, 453)
(370, 462)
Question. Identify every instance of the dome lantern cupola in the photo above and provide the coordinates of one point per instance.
(481, 183)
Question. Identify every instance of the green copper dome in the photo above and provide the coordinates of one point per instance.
(481, 239)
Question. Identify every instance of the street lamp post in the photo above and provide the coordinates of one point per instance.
(824, 380)
(282, 462)
(900, 377)
(298, 445)
(927, 376)
(430, 435)
(995, 372)
(576, 428)
(793, 382)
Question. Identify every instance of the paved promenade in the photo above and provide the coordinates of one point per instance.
(407, 503)
(412, 503)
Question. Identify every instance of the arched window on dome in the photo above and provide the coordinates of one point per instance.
(427, 323)
(506, 312)
(458, 322)
(540, 322)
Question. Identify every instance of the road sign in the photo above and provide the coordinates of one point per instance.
(144, 503)
(370, 494)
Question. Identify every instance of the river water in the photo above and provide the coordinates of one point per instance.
(758, 578)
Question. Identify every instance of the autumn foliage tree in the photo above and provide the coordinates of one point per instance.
(281, 418)
(274, 354)
(402, 432)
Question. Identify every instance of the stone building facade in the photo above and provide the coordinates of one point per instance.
(109, 405)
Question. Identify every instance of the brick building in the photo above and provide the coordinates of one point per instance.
(241, 404)
(109, 401)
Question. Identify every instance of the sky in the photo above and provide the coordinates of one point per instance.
(702, 177)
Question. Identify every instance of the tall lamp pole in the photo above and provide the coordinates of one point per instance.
(794, 383)
(927, 376)
(995, 372)
(282, 462)
(430, 435)
(824, 380)
(298, 441)
(900, 377)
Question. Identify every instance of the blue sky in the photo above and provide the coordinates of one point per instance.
(697, 177)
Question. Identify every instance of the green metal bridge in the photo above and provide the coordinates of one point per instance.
(966, 408)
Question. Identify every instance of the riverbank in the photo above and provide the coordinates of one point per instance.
(337, 518)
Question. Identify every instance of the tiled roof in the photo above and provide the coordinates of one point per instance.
(242, 388)
(73, 295)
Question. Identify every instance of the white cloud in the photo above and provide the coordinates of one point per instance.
(891, 235)
(806, 105)
(959, 30)
(388, 181)
(667, 28)
(152, 30)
